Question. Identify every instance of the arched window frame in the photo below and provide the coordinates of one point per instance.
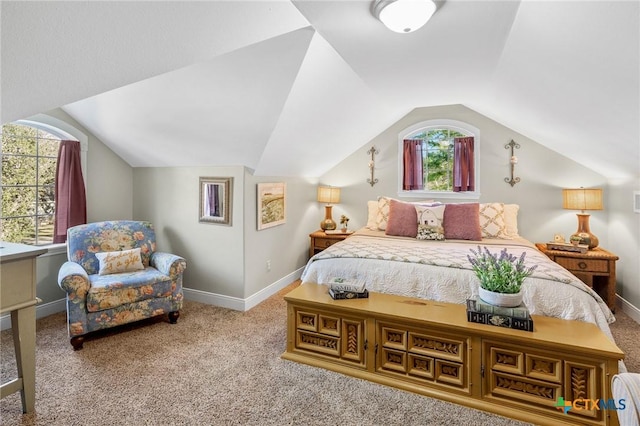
(458, 126)
(62, 130)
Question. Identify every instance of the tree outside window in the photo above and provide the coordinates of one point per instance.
(437, 157)
(29, 157)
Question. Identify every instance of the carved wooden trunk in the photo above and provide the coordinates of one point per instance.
(429, 348)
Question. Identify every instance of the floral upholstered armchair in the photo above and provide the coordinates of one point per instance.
(114, 276)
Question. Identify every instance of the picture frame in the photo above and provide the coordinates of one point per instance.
(272, 202)
(215, 200)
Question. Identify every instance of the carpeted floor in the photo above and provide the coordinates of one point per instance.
(217, 367)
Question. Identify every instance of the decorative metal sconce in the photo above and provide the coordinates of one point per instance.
(513, 161)
(372, 164)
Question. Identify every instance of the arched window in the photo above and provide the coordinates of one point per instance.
(29, 157)
(439, 158)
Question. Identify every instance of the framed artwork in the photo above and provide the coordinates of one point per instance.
(271, 204)
(215, 200)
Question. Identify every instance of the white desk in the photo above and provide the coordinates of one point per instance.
(18, 296)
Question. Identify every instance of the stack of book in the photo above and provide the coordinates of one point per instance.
(340, 288)
(580, 248)
(484, 313)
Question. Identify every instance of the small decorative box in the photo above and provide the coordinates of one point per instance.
(336, 294)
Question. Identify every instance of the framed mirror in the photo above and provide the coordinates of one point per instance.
(215, 200)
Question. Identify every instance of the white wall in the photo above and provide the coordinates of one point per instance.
(225, 261)
(624, 238)
(109, 179)
(169, 198)
(542, 172)
(285, 246)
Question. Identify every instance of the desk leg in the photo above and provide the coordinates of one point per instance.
(23, 323)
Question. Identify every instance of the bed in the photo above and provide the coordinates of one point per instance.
(388, 258)
(420, 250)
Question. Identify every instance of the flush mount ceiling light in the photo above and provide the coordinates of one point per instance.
(403, 16)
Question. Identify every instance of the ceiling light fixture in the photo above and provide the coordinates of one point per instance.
(403, 16)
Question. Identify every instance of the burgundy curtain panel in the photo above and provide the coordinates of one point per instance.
(70, 197)
(463, 165)
(413, 177)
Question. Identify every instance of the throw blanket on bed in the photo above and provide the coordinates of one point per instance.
(449, 256)
(441, 271)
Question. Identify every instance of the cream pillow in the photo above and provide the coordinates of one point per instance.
(511, 220)
(112, 262)
(382, 216)
(492, 220)
(372, 214)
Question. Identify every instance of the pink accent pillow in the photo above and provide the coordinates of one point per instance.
(462, 222)
(403, 219)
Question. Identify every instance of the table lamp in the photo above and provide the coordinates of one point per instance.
(583, 199)
(328, 195)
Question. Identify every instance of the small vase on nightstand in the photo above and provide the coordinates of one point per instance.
(344, 221)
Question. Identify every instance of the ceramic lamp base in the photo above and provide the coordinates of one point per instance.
(327, 224)
(584, 233)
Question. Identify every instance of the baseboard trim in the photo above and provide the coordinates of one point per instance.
(221, 300)
(628, 308)
(272, 289)
(239, 304)
(42, 311)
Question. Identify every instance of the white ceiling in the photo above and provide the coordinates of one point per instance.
(275, 85)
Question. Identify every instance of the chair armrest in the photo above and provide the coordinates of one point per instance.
(72, 278)
(168, 264)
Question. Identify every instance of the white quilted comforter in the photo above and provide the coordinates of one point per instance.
(441, 271)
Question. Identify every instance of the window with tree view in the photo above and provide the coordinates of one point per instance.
(438, 157)
(29, 158)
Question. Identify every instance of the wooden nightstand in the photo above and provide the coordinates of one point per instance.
(596, 268)
(320, 240)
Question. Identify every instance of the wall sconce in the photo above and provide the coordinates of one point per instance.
(513, 161)
(372, 165)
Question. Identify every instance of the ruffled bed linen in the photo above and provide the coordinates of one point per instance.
(440, 271)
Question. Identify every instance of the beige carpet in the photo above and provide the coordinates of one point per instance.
(217, 367)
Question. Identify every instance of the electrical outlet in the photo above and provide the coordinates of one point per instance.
(268, 265)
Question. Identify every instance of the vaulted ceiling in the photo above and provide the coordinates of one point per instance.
(276, 85)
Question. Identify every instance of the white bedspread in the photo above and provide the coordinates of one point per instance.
(441, 271)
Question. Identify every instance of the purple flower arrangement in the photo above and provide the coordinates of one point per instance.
(500, 273)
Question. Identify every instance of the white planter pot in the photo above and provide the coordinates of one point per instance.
(500, 299)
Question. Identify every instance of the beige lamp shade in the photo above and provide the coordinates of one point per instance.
(582, 199)
(328, 195)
